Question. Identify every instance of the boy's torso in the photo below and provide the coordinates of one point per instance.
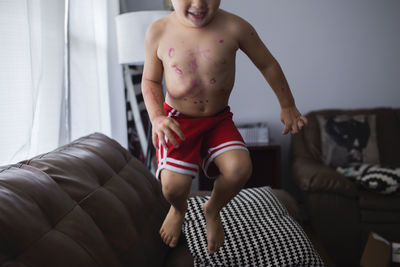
(199, 65)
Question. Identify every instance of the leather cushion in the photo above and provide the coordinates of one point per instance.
(89, 203)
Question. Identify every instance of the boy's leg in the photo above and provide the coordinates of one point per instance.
(175, 188)
(235, 169)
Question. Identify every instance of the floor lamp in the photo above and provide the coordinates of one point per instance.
(131, 29)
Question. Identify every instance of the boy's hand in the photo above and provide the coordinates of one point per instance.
(164, 126)
(292, 119)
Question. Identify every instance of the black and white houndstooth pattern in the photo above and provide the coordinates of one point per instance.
(373, 177)
(258, 232)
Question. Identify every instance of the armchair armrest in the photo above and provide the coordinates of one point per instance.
(313, 176)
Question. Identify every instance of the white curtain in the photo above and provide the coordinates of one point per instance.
(97, 90)
(32, 75)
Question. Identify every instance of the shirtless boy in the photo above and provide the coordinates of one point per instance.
(195, 47)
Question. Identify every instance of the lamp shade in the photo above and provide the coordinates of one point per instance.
(131, 30)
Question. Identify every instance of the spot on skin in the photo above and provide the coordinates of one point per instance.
(185, 99)
(206, 101)
(221, 41)
(195, 102)
(283, 89)
(213, 80)
(177, 69)
(201, 101)
(171, 52)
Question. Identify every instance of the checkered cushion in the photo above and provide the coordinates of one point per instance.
(258, 232)
(373, 177)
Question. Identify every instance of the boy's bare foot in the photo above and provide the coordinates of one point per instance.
(172, 227)
(215, 230)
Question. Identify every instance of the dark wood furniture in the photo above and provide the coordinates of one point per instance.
(266, 161)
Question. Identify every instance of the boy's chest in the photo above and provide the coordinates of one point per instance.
(194, 52)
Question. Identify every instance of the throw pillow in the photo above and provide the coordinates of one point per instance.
(258, 232)
(375, 178)
(348, 139)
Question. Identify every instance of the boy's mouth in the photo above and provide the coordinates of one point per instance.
(197, 14)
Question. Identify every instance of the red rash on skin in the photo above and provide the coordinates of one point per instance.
(159, 113)
(213, 80)
(202, 53)
(171, 52)
(221, 41)
(177, 70)
(153, 95)
(193, 65)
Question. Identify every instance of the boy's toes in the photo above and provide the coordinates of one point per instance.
(173, 242)
(167, 240)
(212, 248)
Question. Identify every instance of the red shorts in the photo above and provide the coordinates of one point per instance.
(205, 139)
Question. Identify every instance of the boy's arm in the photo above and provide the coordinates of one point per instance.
(251, 44)
(163, 126)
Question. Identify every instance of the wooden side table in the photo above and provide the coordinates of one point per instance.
(266, 161)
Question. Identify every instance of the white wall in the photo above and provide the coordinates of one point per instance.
(335, 54)
(139, 5)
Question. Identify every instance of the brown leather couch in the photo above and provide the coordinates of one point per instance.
(341, 213)
(88, 203)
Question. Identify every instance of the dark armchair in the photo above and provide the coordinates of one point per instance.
(340, 212)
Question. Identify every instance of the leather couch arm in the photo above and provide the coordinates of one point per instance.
(313, 176)
(180, 255)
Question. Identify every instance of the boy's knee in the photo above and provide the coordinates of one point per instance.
(171, 193)
(174, 186)
(244, 169)
(238, 169)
